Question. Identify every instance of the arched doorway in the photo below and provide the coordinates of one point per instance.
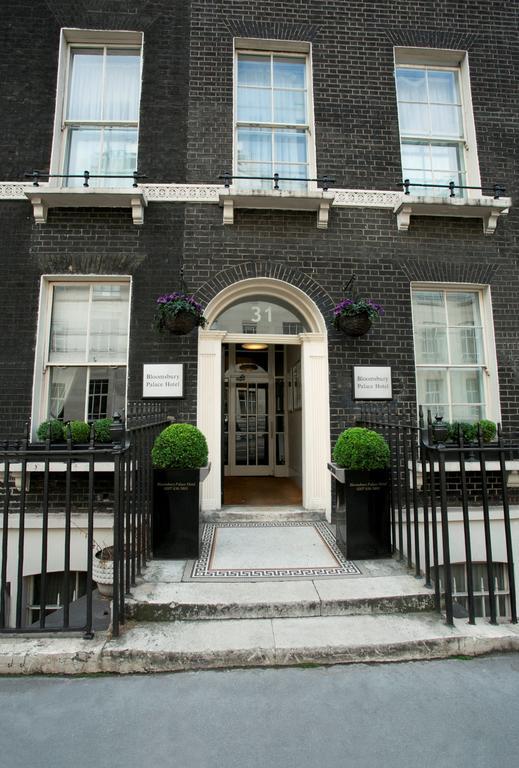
(294, 321)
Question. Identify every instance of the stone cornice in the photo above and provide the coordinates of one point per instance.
(44, 196)
(210, 193)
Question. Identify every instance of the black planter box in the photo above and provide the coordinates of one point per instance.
(176, 513)
(363, 520)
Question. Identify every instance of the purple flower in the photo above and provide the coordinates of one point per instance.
(352, 307)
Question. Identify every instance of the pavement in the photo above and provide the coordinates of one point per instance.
(381, 614)
(182, 645)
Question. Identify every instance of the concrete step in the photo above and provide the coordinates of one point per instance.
(253, 514)
(190, 601)
(179, 646)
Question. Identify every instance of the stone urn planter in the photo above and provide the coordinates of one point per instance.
(103, 571)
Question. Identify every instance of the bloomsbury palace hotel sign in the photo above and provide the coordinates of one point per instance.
(163, 380)
(371, 382)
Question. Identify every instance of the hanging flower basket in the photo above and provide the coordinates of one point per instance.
(354, 317)
(179, 313)
(355, 325)
(180, 324)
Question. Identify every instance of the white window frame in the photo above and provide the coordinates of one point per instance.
(31, 606)
(448, 60)
(480, 592)
(277, 48)
(489, 367)
(41, 380)
(77, 38)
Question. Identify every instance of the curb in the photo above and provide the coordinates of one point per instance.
(185, 646)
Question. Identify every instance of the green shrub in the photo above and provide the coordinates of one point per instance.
(470, 431)
(179, 446)
(102, 430)
(52, 429)
(360, 448)
(488, 430)
(79, 431)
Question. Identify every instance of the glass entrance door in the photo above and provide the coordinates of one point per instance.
(252, 428)
(255, 411)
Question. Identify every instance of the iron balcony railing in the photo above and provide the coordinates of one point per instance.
(497, 190)
(38, 176)
(69, 479)
(325, 181)
(430, 478)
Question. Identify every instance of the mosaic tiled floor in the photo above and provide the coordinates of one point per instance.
(269, 550)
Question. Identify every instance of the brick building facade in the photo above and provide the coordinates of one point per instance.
(187, 106)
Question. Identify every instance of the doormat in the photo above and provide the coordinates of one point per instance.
(284, 550)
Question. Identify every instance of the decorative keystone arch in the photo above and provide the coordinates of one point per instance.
(314, 372)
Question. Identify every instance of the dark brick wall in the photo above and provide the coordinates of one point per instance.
(357, 134)
(186, 133)
(89, 242)
(288, 245)
(30, 35)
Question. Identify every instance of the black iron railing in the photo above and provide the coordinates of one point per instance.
(429, 479)
(54, 482)
(497, 190)
(325, 181)
(38, 176)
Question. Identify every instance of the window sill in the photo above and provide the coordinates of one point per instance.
(315, 200)
(42, 198)
(486, 208)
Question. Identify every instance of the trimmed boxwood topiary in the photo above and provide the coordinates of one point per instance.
(362, 449)
(52, 429)
(79, 431)
(102, 430)
(470, 430)
(179, 446)
(488, 430)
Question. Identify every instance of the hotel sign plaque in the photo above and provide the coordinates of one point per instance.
(163, 380)
(372, 382)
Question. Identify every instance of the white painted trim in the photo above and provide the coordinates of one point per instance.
(491, 377)
(404, 206)
(458, 61)
(485, 208)
(78, 36)
(88, 38)
(268, 286)
(441, 57)
(279, 46)
(40, 381)
(291, 48)
(315, 388)
(44, 197)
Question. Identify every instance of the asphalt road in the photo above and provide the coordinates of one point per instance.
(456, 713)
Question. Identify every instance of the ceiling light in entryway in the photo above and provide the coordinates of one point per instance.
(254, 346)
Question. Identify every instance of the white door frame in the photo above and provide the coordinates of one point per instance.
(315, 387)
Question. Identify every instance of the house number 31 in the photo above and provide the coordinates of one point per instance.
(256, 314)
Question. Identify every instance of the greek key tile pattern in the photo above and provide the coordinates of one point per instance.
(203, 567)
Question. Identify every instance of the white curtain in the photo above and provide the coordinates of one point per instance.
(85, 90)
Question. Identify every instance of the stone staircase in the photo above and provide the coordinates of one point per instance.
(388, 589)
(385, 614)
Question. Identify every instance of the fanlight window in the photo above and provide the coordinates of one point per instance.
(261, 315)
